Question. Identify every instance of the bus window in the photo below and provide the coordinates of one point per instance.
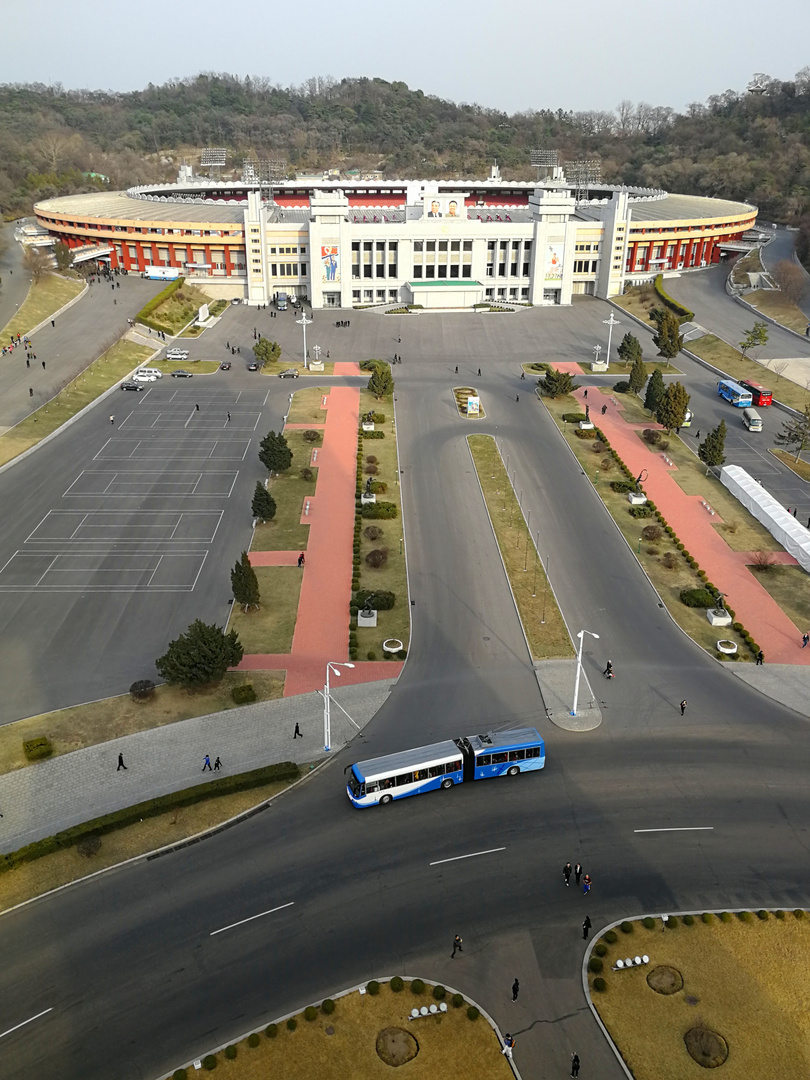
(533, 751)
(497, 759)
(404, 778)
(436, 770)
(517, 755)
(454, 766)
(483, 759)
(388, 782)
(371, 787)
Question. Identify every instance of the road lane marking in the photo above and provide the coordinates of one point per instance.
(682, 828)
(472, 855)
(28, 1021)
(241, 922)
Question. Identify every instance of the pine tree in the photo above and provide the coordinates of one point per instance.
(638, 375)
(712, 451)
(796, 433)
(629, 349)
(671, 409)
(263, 505)
(754, 338)
(202, 655)
(668, 339)
(274, 453)
(244, 583)
(266, 352)
(655, 391)
(381, 382)
(556, 383)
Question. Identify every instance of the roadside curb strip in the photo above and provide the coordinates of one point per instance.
(635, 918)
(336, 997)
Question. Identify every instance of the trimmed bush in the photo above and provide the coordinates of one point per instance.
(672, 922)
(439, 992)
(595, 965)
(417, 987)
(643, 511)
(683, 313)
(371, 470)
(779, 914)
(622, 387)
(310, 1013)
(574, 417)
(373, 532)
(622, 486)
(396, 984)
(371, 655)
(306, 473)
(372, 434)
(600, 949)
(271, 1031)
(253, 1040)
(383, 601)
(649, 922)
(142, 690)
(179, 1074)
(209, 1062)
(378, 487)
(652, 532)
(725, 916)
(472, 1012)
(243, 694)
(89, 846)
(798, 912)
(230, 1052)
(292, 1024)
(599, 984)
(373, 987)
(698, 598)
(37, 749)
(707, 917)
(312, 435)
(762, 914)
(626, 927)
(689, 920)
(379, 510)
(611, 937)
(377, 558)
(744, 916)
(328, 1006)
(588, 433)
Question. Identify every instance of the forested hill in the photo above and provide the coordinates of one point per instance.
(739, 145)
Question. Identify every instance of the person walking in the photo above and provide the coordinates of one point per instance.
(575, 1065)
(30, 391)
(121, 764)
(207, 764)
(585, 394)
(112, 419)
(457, 943)
(217, 764)
(517, 397)
(515, 990)
(684, 703)
(27, 362)
(508, 1045)
(523, 374)
(578, 872)
(229, 419)
(301, 559)
(479, 372)
(608, 672)
(760, 658)
(586, 884)
(586, 927)
(805, 638)
(567, 873)
(196, 408)
(297, 733)
(604, 409)
(456, 369)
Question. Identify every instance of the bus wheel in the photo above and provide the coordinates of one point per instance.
(384, 799)
(512, 771)
(446, 783)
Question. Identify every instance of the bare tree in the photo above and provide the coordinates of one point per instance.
(791, 280)
(52, 148)
(37, 262)
(778, 367)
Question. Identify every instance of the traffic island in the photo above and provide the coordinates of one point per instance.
(719, 989)
(468, 403)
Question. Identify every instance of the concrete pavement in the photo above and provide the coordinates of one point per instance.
(14, 280)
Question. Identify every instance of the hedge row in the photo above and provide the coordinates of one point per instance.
(129, 815)
(683, 313)
(156, 301)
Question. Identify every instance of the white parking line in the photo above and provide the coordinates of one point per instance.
(472, 855)
(683, 828)
(28, 1021)
(242, 922)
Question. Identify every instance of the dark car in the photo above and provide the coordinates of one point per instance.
(131, 386)
(181, 374)
(253, 367)
(225, 365)
(290, 373)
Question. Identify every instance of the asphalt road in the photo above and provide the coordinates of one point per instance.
(127, 962)
(14, 281)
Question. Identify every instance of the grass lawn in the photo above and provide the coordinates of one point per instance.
(747, 981)
(270, 628)
(110, 718)
(450, 1046)
(547, 640)
(651, 555)
(93, 381)
(306, 406)
(285, 532)
(178, 309)
(196, 367)
(49, 872)
(729, 360)
(461, 393)
(45, 297)
(751, 262)
(801, 468)
(777, 307)
(639, 301)
(788, 585)
(390, 577)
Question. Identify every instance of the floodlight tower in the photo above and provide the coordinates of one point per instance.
(213, 158)
(265, 173)
(544, 160)
(581, 174)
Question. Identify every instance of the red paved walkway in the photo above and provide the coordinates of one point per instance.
(347, 367)
(779, 639)
(322, 628)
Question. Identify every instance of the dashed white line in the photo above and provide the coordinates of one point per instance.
(472, 855)
(28, 1021)
(242, 922)
(682, 828)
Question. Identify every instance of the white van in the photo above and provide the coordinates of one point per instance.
(151, 372)
(752, 419)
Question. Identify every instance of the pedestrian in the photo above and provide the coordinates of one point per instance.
(586, 926)
(808, 520)
(575, 1065)
(585, 394)
(456, 369)
(196, 408)
(457, 943)
(683, 706)
(115, 301)
(112, 419)
(604, 409)
(301, 559)
(578, 872)
(227, 344)
(399, 341)
(517, 397)
(297, 733)
(27, 361)
(207, 764)
(327, 354)
(30, 391)
(567, 873)
(508, 1045)
(805, 638)
(698, 435)
(479, 372)
(608, 672)
(229, 419)
(788, 509)
(794, 508)
(121, 764)
(586, 884)
(515, 990)
(53, 323)
(760, 658)
(523, 374)
(217, 764)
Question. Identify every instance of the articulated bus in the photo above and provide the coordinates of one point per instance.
(444, 764)
(734, 393)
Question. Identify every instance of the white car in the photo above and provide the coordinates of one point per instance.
(177, 354)
(139, 377)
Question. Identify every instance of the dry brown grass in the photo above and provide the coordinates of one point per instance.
(33, 879)
(306, 406)
(451, 1047)
(110, 718)
(777, 307)
(45, 297)
(788, 586)
(801, 468)
(270, 628)
(747, 981)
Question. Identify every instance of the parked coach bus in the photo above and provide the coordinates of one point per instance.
(444, 764)
(735, 393)
(760, 394)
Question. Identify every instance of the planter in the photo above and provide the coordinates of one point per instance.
(729, 648)
(392, 645)
(636, 498)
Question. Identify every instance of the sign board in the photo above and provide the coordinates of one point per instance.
(203, 314)
(330, 263)
(473, 406)
(445, 206)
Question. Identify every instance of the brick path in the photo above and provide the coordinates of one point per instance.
(779, 639)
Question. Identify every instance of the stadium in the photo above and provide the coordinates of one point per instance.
(349, 242)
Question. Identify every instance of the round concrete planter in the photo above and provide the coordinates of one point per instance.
(729, 648)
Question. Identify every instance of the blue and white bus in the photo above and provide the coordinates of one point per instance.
(734, 393)
(444, 764)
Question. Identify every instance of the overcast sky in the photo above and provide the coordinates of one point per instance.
(512, 56)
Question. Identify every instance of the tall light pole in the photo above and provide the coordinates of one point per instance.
(304, 322)
(610, 323)
(327, 717)
(581, 636)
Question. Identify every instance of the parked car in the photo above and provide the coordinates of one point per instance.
(253, 366)
(290, 373)
(131, 386)
(181, 374)
(177, 354)
(225, 365)
(236, 300)
(139, 377)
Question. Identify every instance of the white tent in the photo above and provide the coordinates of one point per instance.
(784, 527)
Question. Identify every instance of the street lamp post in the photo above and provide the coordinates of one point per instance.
(581, 636)
(327, 717)
(610, 323)
(304, 322)
(596, 350)
(536, 559)
(545, 588)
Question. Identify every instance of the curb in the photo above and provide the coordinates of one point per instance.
(336, 997)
